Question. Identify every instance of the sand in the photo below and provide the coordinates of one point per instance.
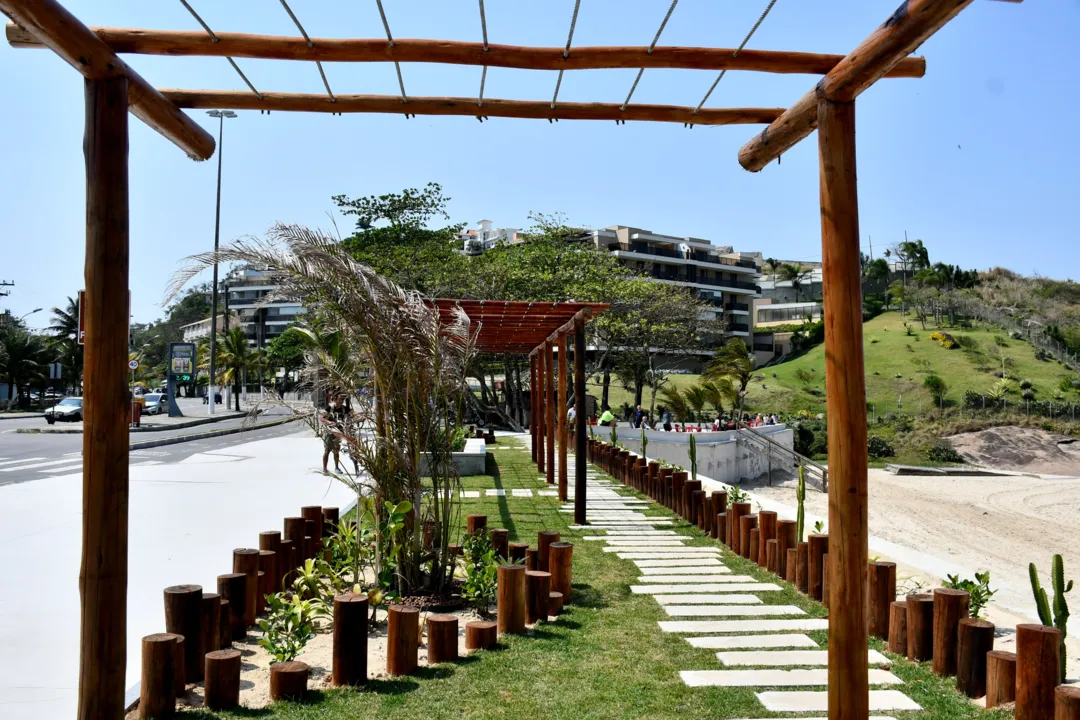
(1020, 449)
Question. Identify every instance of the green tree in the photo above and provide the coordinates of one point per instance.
(286, 351)
(795, 274)
(733, 362)
(718, 392)
(235, 355)
(696, 398)
(937, 387)
(65, 330)
(23, 358)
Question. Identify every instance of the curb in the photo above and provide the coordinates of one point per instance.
(150, 428)
(143, 444)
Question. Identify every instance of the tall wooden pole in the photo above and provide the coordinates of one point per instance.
(541, 393)
(563, 430)
(582, 419)
(103, 575)
(549, 405)
(846, 403)
(532, 403)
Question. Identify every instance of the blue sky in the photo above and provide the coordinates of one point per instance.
(975, 158)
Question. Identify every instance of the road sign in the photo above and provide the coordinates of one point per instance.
(133, 365)
(82, 317)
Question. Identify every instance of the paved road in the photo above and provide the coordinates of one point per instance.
(28, 457)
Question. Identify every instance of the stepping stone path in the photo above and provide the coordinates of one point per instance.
(758, 645)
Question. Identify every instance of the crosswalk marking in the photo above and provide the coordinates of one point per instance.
(12, 462)
(35, 466)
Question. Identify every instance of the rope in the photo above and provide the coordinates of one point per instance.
(736, 54)
(390, 38)
(310, 44)
(483, 75)
(652, 46)
(216, 39)
(566, 51)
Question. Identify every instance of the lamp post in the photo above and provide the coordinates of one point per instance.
(23, 317)
(220, 115)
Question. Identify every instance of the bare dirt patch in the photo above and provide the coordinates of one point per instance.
(1020, 449)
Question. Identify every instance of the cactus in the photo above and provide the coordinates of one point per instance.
(1060, 615)
(614, 437)
(693, 458)
(644, 444)
(800, 496)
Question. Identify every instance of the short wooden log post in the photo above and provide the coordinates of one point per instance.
(882, 585)
(246, 560)
(720, 527)
(442, 639)
(898, 627)
(975, 638)
(537, 590)
(183, 616)
(288, 680)
(555, 603)
(802, 567)
(735, 514)
(697, 501)
(766, 532)
(402, 639)
(1067, 702)
(511, 599)
(692, 500)
(331, 516)
(315, 515)
(755, 543)
(1000, 678)
(271, 540)
(920, 627)
(267, 577)
(500, 539)
(561, 567)
(296, 532)
(313, 542)
(818, 545)
(179, 674)
(825, 579)
(210, 619)
(481, 635)
(664, 482)
(221, 690)
(747, 523)
(1037, 658)
(679, 499)
(785, 540)
(517, 552)
(718, 504)
(225, 626)
(652, 475)
(772, 555)
(544, 539)
(350, 640)
(475, 523)
(950, 607)
(233, 587)
(792, 564)
(532, 556)
(157, 694)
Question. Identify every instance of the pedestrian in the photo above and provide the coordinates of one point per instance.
(332, 422)
(571, 417)
(638, 415)
(606, 418)
(666, 416)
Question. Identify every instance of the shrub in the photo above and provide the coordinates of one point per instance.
(1015, 335)
(1028, 394)
(944, 339)
(979, 590)
(1000, 341)
(902, 423)
(937, 387)
(1025, 384)
(973, 400)
(873, 340)
(1067, 384)
(481, 571)
(942, 451)
(805, 377)
(878, 447)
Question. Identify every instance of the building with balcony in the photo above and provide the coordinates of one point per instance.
(246, 290)
(725, 279)
(193, 332)
(475, 241)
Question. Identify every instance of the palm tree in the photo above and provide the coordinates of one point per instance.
(717, 392)
(23, 357)
(65, 328)
(696, 399)
(235, 355)
(795, 274)
(675, 402)
(734, 363)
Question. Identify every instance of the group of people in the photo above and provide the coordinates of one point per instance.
(641, 420)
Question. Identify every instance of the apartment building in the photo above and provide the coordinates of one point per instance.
(476, 240)
(246, 288)
(723, 278)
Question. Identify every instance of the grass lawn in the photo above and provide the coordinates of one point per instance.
(604, 657)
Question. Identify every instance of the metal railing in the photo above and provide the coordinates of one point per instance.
(816, 474)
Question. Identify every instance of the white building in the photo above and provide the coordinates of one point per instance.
(246, 289)
(193, 332)
(476, 241)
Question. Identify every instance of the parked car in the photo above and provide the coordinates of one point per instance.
(217, 399)
(70, 408)
(156, 403)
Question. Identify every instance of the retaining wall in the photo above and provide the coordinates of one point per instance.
(723, 456)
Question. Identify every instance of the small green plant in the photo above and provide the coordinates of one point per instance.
(737, 494)
(877, 447)
(1000, 341)
(800, 497)
(1028, 394)
(614, 436)
(457, 442)
(942, 451)
(874, 340)
(937, 387)
(1025, 384)
(908, 330)
(645, 443)
(1060, 616)
(481, 571)
(693, 457)
(819, 527)
(978, 590)
(288, 626)
(805, 377)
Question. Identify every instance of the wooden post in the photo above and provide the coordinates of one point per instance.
(511, 599)
(920, 627)
(267, 575)
(819, 545)
(544, 539)
(157, 694)
(785, 540)
(1067, 702)
(541, 410)
(882, 593)
(288, 680)
(898, 627)
(755, 544)
(313, 542)
(225, 626)
(296, 533)
(720, 527)
(442, 639)
(734, 522)
(975, 638)
(582, 418)
(233, 587)
(222, 688)
(210, 618)
(475, 523)
(331, 516)
(271, 540)
(555, 603)
(286, 564)
(560, 409)
(792, 564)
(747, 523)
(532, 407)
(1000, 678)
(766, 532)
(350, 639)
(183, 616)
(481, 635)
(246, 560)
(180, 676)
(103, 574)
(846, 403)
(697, 501)
(772, 556)
(718, 498)
(517, 552)
(537, 590)
(825, 573)
(532, 561)
(314, 514)
(950, 607)
(549, 407)
(561, 567)
(402, 639)
(802, 568)
(1037, 658)
(500, 539)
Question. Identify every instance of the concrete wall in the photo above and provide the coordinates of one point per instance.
(470, 461)
(722, 456)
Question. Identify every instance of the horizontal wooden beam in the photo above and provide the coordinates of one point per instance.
(910, 25)
(276, 47)
(56, 28)
(537, 110)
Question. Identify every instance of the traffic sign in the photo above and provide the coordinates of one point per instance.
(133, 364)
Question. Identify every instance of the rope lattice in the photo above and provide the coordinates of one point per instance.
(390, 39)
(738, 50)
(215, 39)
(310, 44)
(652, 45)
(566, 51)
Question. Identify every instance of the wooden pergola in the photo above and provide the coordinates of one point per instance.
(112, 88)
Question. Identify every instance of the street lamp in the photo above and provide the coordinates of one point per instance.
(220, 115)
(23, 317)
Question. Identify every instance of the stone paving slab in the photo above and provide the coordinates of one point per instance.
(547, 493)
(669, 549)
(743, 626)
(470, 493)
(818, 701)
(691, 562)
(495, 493)
(691, 570)
(725, 611)
(715, 578)
(728, 642)
(621, 525)
(872, 717)
(654, 555)
(521, 492)
(789, 658)
(774, 678)
(640, 532)
(646, 542)
(704, 588)
(717, 599)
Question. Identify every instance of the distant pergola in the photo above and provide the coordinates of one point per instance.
(113, 88)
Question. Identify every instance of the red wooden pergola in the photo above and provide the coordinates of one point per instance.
(113, 88)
